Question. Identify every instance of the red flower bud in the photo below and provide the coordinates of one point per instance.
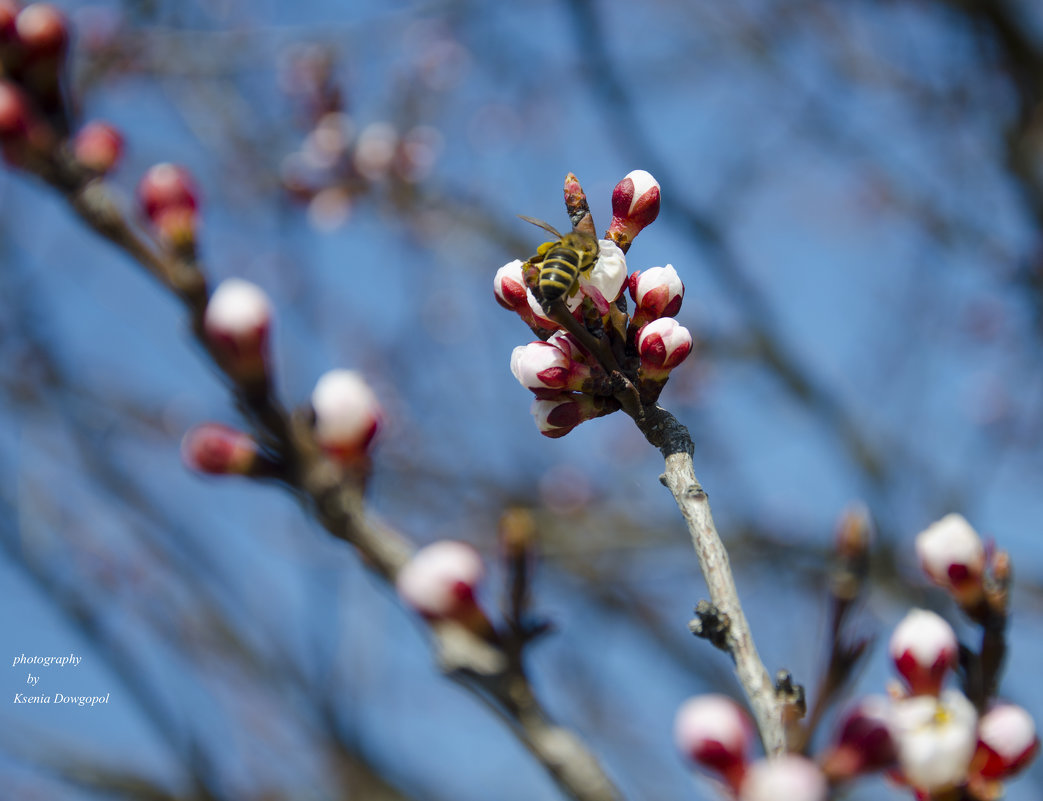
(924, 649)
(1007, 742)
(219, 450)
(237, 322)
(42, 30)
(167, 187)
(635, 204)
(715, 733)
(98, 146)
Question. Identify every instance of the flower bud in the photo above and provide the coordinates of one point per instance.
(953, 556)
(605, 281)
(540, 366)
(237, 321)
(715, 733)
(935, 738)
(557, 415)
(663, 344)
(440, 580)
(42, 31)
(219, 450)
(98, 146)
(635, 204)
(924, 649)
(169, 199)
(790, 777)
(864, 742)
(657, 292)
(512, 293)
(347, 415)
(1007, 742)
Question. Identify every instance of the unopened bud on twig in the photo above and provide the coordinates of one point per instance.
(924, 649)
(663, 344)
(440, 582)
(715, 733)
(237, 322)
(635, 204)
(864, 743)
(169, 199)
(953, 556)
(1007, 742)
(541, 366)
(557, 415)
(512, 293)
(219, 450)
(347, 415)
(790, 777)
(657, 292)
(98, 146)
(42, 31)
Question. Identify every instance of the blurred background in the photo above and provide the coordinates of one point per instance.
(853, 196)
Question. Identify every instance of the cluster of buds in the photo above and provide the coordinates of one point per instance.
(338, 160)
(33, 44)
(580, 366)
(345, 413)
(716, 734)
(931, 739)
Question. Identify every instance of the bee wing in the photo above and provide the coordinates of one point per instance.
(540, 223)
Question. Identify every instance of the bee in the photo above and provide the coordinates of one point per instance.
(564, 260)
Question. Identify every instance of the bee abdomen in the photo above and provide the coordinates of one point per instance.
(558, 273)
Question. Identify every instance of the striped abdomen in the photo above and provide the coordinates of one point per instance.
(559, 272)
(562, 264)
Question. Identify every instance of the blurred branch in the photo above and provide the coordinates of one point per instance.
(475, 663)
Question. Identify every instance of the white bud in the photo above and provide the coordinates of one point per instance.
(237, 308)
(347, 413)
(441, 578)
(540, 365)
(924, 649)
(951, 552)
(786, 778)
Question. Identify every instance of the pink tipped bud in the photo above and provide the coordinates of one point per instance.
(790, 777)
(924, 649)
(219, 450)
(556, 415)
(1007, 742)
(658, 292)
(541, 366)
(165, 188)
(98, 146)
(635, 204)
(663, 344)
(509, 286)
(42, 30)
(935, 739)
(237, 321)
(347, 415)
(864, 742)
(715, 733)
(953, 556)
(512, 293)
(440, 580)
